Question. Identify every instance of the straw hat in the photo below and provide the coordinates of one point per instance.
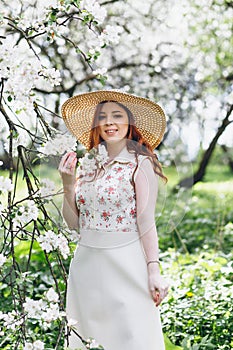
(78, 112)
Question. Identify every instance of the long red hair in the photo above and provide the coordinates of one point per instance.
(135, 141)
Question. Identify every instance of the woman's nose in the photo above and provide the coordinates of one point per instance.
(109, 120)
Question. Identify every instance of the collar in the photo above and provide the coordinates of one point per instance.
(123, 157)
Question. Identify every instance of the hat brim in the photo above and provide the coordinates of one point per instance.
(78, 112)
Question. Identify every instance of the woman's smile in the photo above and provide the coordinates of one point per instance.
(111, 132)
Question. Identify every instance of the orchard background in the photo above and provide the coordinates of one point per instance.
(178, 54)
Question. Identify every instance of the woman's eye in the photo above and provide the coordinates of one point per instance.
(101, 117)
(118, 115)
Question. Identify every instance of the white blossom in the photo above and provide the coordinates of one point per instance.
(52, 296)
(11, 320)
(93, 7)
(45, 310)
(35, 13)
(102, 155)
(2, 260)
(72, 322)
(38, 345)
(94, 344)
(34, 307)
(62, 245)
(110, 35)
(51, 313)
(28, 346)
(52, 74)
(26, 213)
(22, 76)
(5, 184)
(86, 165)
(33, 17)
(46, 241)
(92, 161)
(101, 71)
(50, 241)
(58, 145)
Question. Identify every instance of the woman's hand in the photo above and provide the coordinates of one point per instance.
(67, 168)
(158, 286)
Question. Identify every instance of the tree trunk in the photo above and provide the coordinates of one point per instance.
(199, 174)
(229, 160)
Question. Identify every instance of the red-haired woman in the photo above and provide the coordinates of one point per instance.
(115, 285)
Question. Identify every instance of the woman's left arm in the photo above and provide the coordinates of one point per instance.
(146, 186)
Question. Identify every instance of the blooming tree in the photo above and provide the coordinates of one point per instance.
(35, 41)
(176, 54)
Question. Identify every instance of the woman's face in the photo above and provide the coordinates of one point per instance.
(113, 122)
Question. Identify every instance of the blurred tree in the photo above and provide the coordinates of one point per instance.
(199, 174)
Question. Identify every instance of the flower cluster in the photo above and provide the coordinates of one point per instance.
(94, 8)
(41, 311)
(110, 35)
(11, 320)
(5, 184)
(33, 16)
(44, 310)
(33, 308)
(52, 296)
(25, 213)
(57, 145)
(92, 161)
(23, 75)
(50, 241)
(52, 75)
(36, 345)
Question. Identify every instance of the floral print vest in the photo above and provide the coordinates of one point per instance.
(108, 203)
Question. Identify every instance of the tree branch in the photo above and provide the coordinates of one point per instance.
(198, 176)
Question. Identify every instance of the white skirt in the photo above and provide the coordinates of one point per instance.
(108, 293)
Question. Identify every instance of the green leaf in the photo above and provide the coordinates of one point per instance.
(169, 345)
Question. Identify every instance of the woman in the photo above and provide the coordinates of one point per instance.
(114, 286)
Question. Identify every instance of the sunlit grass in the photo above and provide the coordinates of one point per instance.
(217, 187)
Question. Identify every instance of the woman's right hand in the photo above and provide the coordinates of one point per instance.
(66, 168)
